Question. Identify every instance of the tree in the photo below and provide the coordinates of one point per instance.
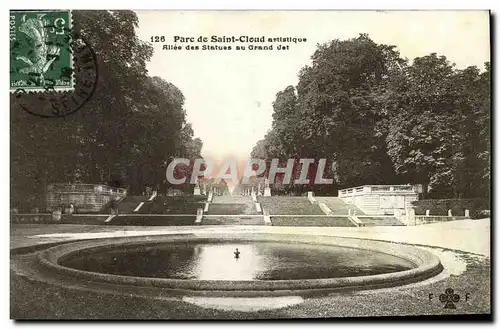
(432, 128)
(380, 120)
(334, 111)
(124, 134)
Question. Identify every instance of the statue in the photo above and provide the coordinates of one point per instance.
(196, 188)
(267, 190)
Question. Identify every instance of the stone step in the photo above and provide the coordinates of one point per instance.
(232, 199)
(316, 221)
(337, 206)
(284, 205)
(380, 221)
(233, 220)
(232, 209)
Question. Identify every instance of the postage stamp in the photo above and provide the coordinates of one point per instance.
(40, 56)
(53, 68)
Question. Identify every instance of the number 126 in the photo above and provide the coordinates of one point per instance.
(158, 39)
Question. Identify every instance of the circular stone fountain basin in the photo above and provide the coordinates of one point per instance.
(258, 260)
(283, 264)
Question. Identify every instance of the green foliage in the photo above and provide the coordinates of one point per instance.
(127, 133)
(440, 207)
(433, 135)
(381, 120)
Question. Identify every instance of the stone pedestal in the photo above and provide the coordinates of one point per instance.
(310, 197)
(267, 191)
(410, 216)
(199, 216)
(197, 191)
(266, 216)
(258, 208)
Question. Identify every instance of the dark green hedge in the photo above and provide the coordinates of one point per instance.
(437, 207)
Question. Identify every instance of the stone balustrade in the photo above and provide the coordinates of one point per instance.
(380, 199)
(377, 189)
(85, 197)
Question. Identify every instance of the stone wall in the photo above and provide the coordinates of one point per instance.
(85, 197)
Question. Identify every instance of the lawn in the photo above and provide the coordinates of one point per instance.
(311, 221)
(153, 220)
(174, 205)
(282, 205)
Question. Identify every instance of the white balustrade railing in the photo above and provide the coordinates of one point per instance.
(376, 189)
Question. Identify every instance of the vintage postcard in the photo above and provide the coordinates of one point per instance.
(244, 165)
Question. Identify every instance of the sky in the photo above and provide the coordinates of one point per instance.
(229, 94)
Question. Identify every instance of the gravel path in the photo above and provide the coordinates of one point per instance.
(466, 235)
(463, 247)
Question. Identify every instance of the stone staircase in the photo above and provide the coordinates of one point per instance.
(337, 206)
(340, 208)
(380, 221)
(232, 210)
(231, 199)
(311, 221)
(174, 205)
(233, 220)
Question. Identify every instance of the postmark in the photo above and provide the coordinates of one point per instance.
(39, 54)
(52, 100)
